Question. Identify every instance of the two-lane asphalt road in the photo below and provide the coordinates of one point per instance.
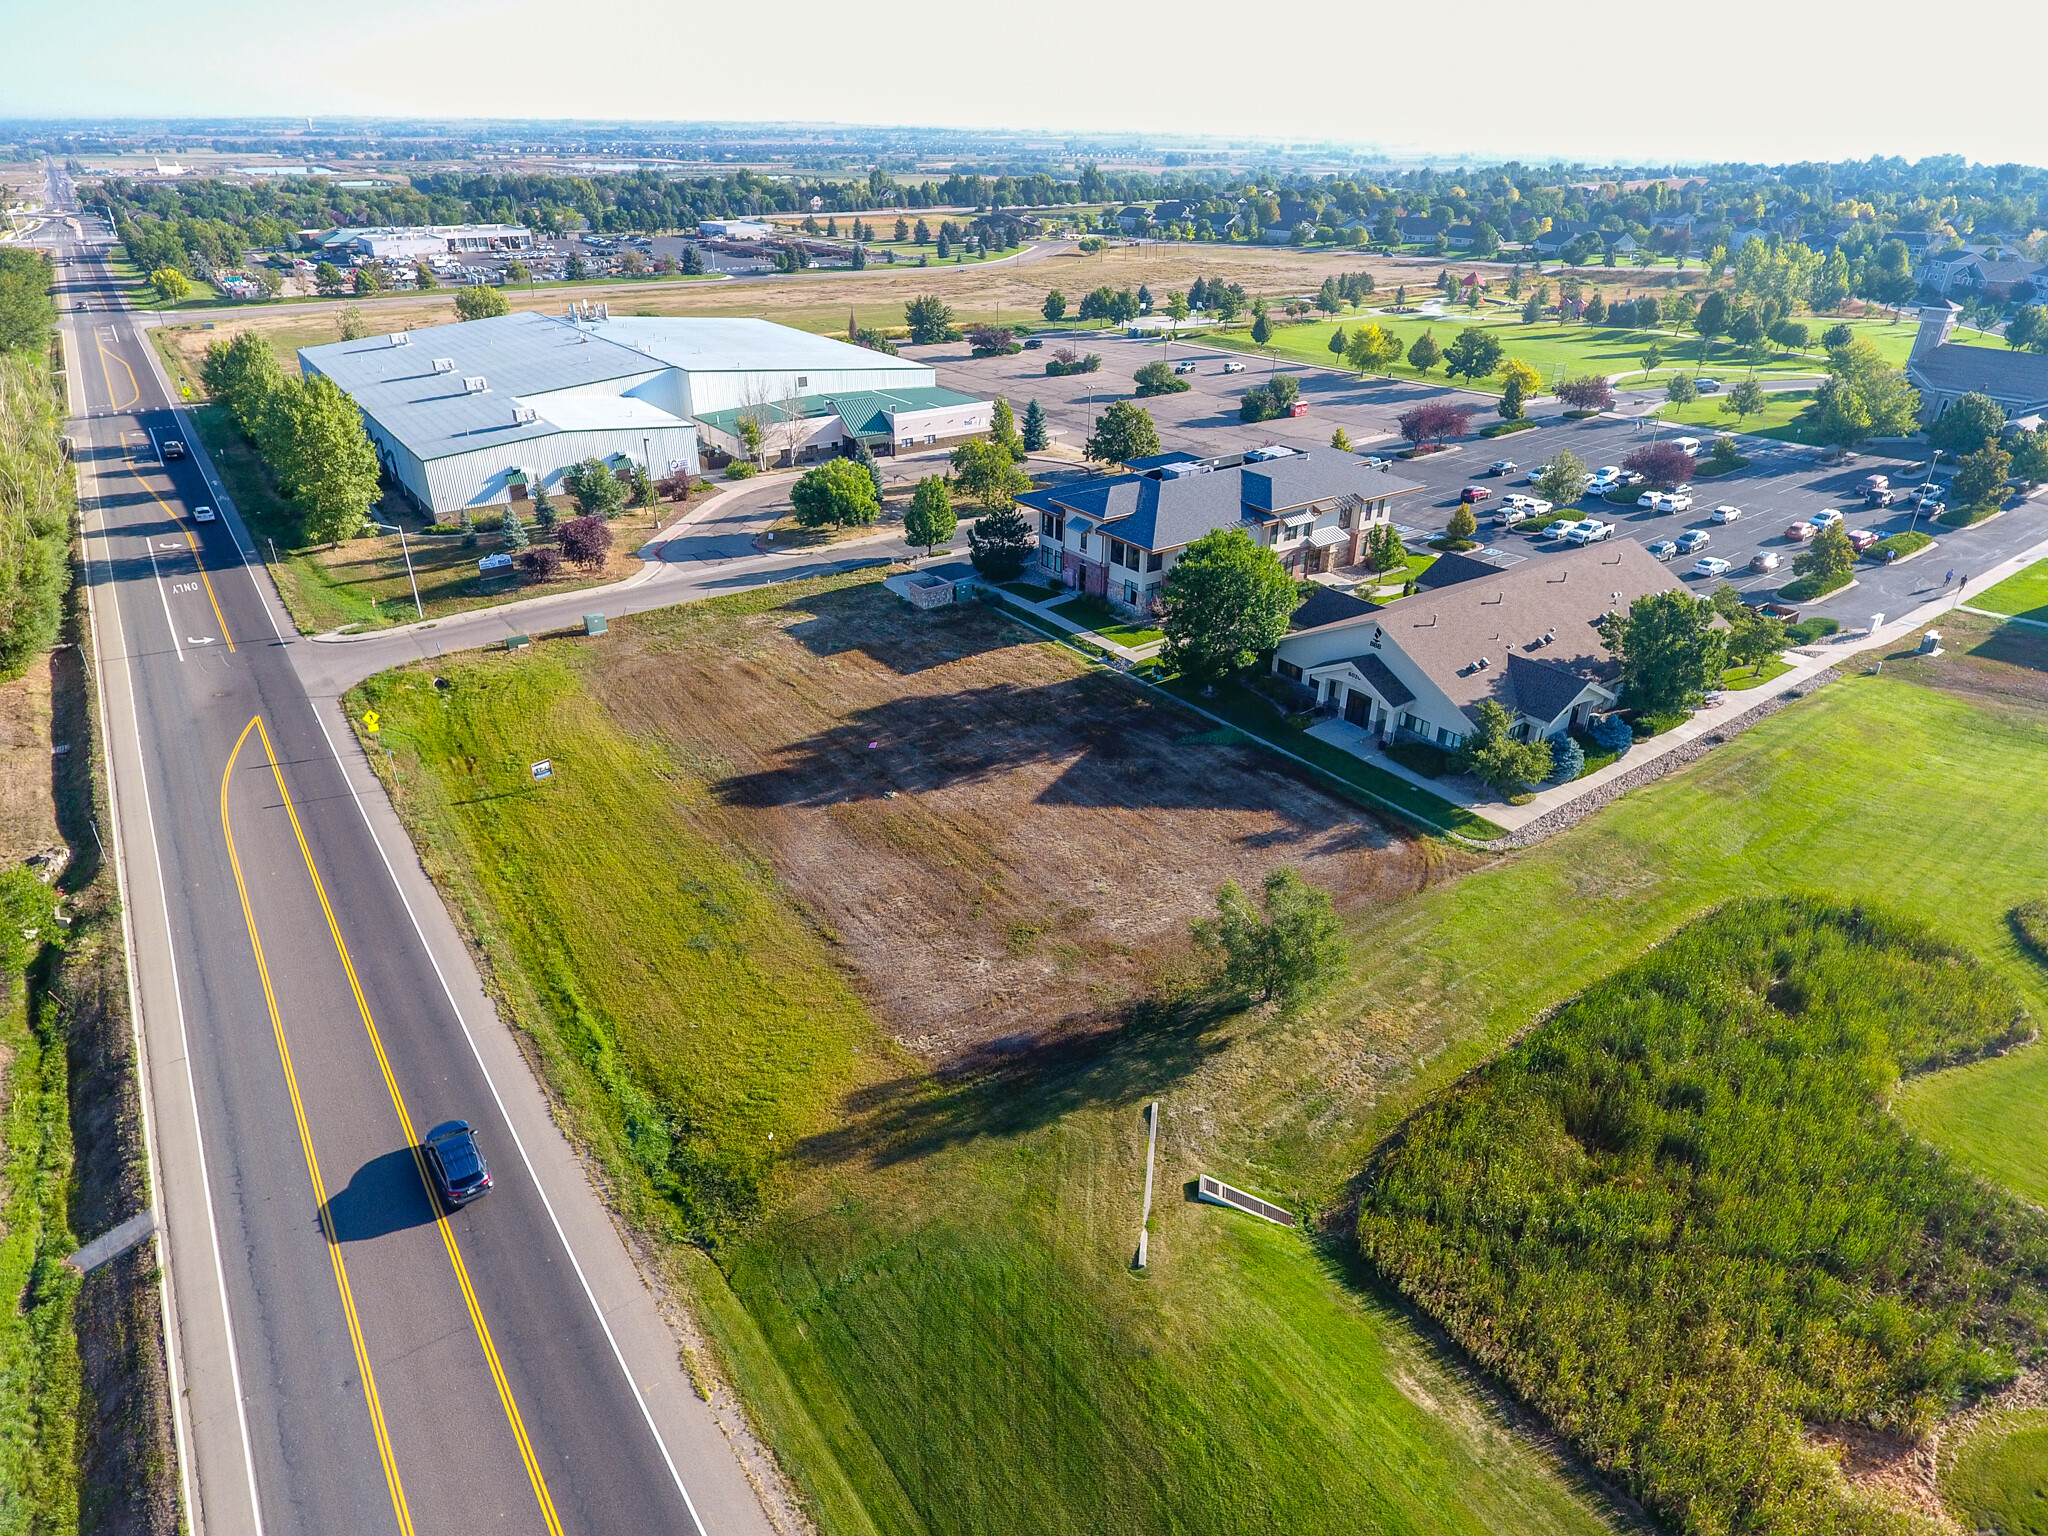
(351, 1358)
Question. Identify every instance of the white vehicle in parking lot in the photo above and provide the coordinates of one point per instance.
(1591, 531)
(1663, 549)
(1536, 474)
(1674, 501)
(1606, 476)
(1233, 367)
(1557, 530)
(1510, 514)
(1828, 519)
(1713, 565)
(1648, 500)
(1727, 514)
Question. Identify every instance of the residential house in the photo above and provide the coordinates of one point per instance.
(1944, 371)
(1950, 270)
(1119, 537)
(1422, 228)
(1525, 638)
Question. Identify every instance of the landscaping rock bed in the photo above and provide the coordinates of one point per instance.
(1576, 811)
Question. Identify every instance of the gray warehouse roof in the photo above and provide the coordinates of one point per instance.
(434, 414)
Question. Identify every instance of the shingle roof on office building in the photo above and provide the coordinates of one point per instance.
(1166, 514)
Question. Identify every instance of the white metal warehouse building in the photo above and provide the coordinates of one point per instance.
(475, 414)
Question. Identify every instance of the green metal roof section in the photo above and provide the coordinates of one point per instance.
(774, 411)
(866, 412)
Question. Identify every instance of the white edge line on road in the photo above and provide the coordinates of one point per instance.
(165, 1305)
(184, 1041)
(197, 449)
(590, 1295)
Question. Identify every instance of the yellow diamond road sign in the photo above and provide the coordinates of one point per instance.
(370, 721)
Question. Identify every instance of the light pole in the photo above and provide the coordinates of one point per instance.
(418, 607)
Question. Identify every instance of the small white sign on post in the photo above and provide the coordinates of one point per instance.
(498, 562)
(544, 769)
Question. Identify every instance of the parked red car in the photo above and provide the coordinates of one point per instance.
(1799, 533)
(1861, 539)
(1474, 493)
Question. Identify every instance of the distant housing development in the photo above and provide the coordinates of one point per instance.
(478, 414)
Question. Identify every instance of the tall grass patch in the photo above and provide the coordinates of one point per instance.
(1680, 1220)
(697, 1024)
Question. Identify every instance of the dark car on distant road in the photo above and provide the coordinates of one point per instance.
(457, 1163)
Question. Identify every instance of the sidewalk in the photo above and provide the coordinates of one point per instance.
(1044, 609)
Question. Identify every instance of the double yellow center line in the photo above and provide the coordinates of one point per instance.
(483, 1332)
(191, 543)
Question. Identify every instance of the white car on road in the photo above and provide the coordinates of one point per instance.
(1727, 514)
(1713, 565)
(202, 514)
(1591, 531)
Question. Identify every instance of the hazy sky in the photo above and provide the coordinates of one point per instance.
(1744, 79)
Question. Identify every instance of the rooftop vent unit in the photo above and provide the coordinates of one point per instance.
(1484, 663)
(401, 338)
(474, 384)
(444, 365)
(522, 414)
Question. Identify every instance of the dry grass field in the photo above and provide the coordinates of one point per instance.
(999, 841)
(1010, 290)
(28, 816)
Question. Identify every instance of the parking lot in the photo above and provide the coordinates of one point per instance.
(1783, 484)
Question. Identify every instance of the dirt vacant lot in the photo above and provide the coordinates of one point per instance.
(1002, 841)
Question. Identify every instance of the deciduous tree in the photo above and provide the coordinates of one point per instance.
(586, 541)
(1434, 421)
(1668, 651)
(1967, 425)
(1425, 354)
(1372, 347)
(1745, 399)
(1565, 481)
(1492, 755)
(929, 319)
(837, 493)
(930, 520)
(1828, 560)
(1662, 465)
(986, 472)
(1225, 600)
(1124, 432)
(1473, 354)
(1980, 478)
(1288, 953)
(480, 301)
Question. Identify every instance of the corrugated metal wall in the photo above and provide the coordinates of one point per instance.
(482, 479)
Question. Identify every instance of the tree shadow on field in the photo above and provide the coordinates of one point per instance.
(874, 621)
(1111, 747)
(1013, 1086)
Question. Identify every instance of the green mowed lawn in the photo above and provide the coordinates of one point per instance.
(2000, 1478)
(2023, 594)
(936, 1321)
(1569, 351)
(1780, 417)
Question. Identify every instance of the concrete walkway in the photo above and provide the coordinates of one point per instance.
(1044, 610)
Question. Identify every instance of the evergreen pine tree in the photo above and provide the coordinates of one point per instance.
(468, 527)
(543, 512)
(1035, 438)
(515, 530)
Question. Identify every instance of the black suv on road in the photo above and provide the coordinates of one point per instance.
(460, 1172)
